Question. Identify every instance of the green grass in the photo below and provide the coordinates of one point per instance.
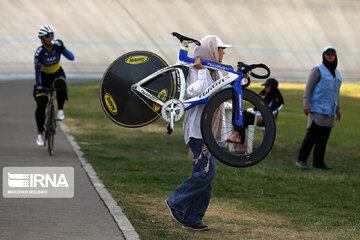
(271, 200)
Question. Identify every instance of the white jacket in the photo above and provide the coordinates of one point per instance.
(196, 83)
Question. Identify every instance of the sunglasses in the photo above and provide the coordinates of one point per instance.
(47, 35)
(330, 54)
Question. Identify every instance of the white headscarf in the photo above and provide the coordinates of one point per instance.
(210, 43)
(208, 51)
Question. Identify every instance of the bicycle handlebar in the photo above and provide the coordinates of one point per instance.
(244, 68)
(47, 88)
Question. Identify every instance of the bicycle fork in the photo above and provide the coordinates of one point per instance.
(237, 114)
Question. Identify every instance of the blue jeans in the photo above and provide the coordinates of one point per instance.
(192, 197)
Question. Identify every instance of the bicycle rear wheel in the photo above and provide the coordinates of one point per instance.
(216, 128)
(123, 106)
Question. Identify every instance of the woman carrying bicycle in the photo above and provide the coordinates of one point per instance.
(48, 74)
(189, 202)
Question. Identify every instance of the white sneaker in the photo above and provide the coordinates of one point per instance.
(40, 140)
(60, 115)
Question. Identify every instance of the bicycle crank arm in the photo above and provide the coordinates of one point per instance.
(170, 126)
(169, 129)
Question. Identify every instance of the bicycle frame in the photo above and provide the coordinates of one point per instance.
(232, 77)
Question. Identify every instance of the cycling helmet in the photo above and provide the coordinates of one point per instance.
(44, 31)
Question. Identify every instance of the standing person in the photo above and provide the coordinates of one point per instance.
(49, 73)
(321, 104)
(189, 202)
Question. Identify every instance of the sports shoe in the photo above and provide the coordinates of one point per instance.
(324, 167)
(196, 227)
(60, 115)
(302, 164)
(175, 214)
(40, 140)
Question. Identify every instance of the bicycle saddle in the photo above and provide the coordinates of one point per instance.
(184, 38)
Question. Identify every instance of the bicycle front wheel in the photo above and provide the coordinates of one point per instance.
(51, 128)
(217, 128)
(125, 107)
(51, 144)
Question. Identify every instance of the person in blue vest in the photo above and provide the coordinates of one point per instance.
(321, 105)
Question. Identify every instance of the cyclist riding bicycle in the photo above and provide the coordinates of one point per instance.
(48, 74)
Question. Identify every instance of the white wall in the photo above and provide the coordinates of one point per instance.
(287, 35)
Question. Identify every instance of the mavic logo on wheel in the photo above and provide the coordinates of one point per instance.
(162, 96)
(139, 59)
(110, 103)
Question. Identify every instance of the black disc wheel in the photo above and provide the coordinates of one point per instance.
(249, 145)
(120, 103)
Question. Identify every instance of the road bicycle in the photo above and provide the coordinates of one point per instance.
(50, 121)
(139, 87)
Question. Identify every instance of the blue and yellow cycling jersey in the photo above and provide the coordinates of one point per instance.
(49, 62)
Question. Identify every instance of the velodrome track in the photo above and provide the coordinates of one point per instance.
(287, 35)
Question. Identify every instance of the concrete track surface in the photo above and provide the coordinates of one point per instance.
(82, 217)
(287, 35)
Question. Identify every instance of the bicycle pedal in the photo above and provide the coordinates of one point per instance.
(169, 129)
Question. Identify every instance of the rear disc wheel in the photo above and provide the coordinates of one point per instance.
(123, 106)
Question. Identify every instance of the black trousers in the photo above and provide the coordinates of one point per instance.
(318, 136)
(57, 80)
(41, 102)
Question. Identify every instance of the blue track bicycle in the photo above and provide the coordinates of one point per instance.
(139, 87)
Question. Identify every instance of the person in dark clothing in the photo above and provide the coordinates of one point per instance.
(273, 97)
(321, 105)
(49, 73)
